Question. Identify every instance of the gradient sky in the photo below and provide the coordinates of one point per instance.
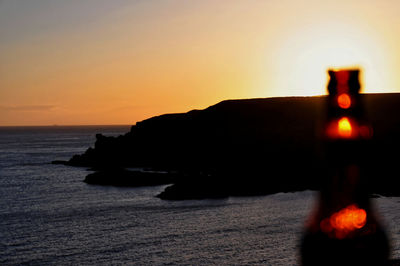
(118, 62)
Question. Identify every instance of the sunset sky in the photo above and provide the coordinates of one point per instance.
(82, 62)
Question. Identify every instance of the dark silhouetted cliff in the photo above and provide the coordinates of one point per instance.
(246, 147)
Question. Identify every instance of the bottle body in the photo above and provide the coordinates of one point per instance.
(344, 230)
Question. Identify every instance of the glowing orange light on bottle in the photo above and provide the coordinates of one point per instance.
(344, 128)
(344, 101)
(345, 221)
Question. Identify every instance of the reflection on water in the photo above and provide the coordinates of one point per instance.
(48, 215)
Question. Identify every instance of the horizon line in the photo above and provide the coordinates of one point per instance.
(128, 124)
(69, 125)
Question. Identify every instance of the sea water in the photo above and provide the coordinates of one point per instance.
(48, 215)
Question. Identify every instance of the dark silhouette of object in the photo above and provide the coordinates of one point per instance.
(344, 230)
(241, 147)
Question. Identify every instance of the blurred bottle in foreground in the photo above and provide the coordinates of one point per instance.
(344, 229)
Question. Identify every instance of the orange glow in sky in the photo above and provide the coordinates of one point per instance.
(119, 62)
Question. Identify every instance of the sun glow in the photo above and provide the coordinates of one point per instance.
(307, 53)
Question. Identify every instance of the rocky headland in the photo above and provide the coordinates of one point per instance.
(240, 147)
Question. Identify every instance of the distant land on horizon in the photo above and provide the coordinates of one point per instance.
(240, 147)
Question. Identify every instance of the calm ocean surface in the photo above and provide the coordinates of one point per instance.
(49, 216)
